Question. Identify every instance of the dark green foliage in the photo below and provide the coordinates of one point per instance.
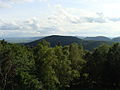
(59, 68)
(63, 68)
(112, 67)
(95, 65)
(45, 61)
(16, 68)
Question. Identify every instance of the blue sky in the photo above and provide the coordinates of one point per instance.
(29, 18)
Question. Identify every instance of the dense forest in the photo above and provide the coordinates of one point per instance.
(69, 67)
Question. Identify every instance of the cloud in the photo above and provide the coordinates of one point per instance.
(4, 5)
(17, 1)
(93, 20)
(63, 21)
(22, 0)
(82, 22)
(9, 3)
(9, 26)
(117, 19)
(75, 16)
(49, 30)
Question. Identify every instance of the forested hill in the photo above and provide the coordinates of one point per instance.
(66, 40)
(117, 39)
(102, 38)
(55, 39)
(98, 38)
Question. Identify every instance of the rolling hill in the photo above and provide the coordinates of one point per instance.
(55, 39)
(98, 38)
(66, 40)
(117, 39)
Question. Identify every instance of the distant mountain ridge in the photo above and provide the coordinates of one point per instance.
(102, 38)
(54, 39)
(67, 40)
(31, 39)
(117, 39)
(89, 43)
(98, 38)
(21, 39)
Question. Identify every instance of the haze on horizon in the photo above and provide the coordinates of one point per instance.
(31, 18)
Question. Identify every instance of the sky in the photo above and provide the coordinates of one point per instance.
(33, 18)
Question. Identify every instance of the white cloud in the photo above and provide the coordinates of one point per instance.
(17, 1)
(9, 3)
(83, 22)
(65, 21)
(4, 5)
